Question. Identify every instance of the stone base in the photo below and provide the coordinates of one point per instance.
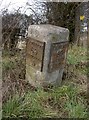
(37, 78)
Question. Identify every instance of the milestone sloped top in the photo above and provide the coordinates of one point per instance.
(48, 32)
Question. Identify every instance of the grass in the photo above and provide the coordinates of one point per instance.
(77, 55)
(54, 103)
(26, 106)
(76, 110)
(67, 101)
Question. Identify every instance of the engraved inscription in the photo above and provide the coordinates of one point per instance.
(35, 53)
(57, 56)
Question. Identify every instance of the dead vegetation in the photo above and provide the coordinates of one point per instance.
(69, 100)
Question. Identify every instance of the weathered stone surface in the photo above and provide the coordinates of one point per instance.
(49, 35)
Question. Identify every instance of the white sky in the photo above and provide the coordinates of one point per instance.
(13, 5)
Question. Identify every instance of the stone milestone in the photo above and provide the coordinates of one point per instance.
(46, 54)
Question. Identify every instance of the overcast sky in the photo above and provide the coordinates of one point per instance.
(13, 5)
